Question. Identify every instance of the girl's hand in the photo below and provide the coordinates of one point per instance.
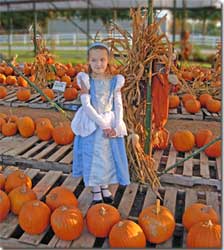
(109, 132)
(83, 90)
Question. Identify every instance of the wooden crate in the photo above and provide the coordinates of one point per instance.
(181, 113)
(36, 102)
(129, 200)
(211, 116)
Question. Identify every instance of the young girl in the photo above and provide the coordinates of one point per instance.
(99, 148)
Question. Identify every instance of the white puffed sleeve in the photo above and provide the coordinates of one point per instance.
(120, 126)
(82, 76)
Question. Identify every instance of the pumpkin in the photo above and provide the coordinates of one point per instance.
(67, 222)
(44, 130)
(4, 205)
(127, 234)
(201, 136)
(66, 79)
(9, 129)
(59, 196)
(203, 235)
(34, 217)
(204, 98)
(70, 94)
(42, 119)
(215, 149)
(157, 223)
(216, 84)
(2, 78)
(23, 94)
(71, 71)
(48, 92)
(12, 118)
(197, 212)
(62, 134)
(60, 71)
(105, 215)
(2, 122)
(19, 196)
(187, 97)
(183, 140)
(11, 80)
(3, 92)
(174, 101)
(22, 82)
(16, 179)
(2, 181)
(4, 116)
(8, 70)
(26, 126)
(192, 106)
(187, 75)
(213, 106)
(27, 70)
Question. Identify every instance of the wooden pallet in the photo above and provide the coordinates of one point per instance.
(36, 102)
(43, 155)
(211, 116)
(129, 200)
(181, 113)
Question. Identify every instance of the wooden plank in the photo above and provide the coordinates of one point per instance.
(170, 203)
(188, 166)
(219, 168)
(173, 111)
(68, 158)
(34, 149)
(171, 158)
(23, 146)
(8, 170)
(150, 198)
(204, 168)
(157, 157)
(12, 243)
(212, 199)
(59, 152)
(45, 151)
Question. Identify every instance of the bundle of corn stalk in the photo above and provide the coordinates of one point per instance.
(217, 64)
(136, 52)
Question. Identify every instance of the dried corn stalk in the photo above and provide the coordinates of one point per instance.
(217, 64)
(136, 52)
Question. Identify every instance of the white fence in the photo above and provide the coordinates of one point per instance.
(77, 38)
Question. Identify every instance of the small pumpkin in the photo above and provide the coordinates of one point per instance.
(22, 82)
(157, 223)
(187, 97)
(11, 80)
(215, 149)
(105, 215)
(197, 212)
(67, 80)
(213, 106)
(9, 129)
(201, 136)
(67, 222)
(204, 234)
(26, 126)
(174, 101)
(203, 98)
(44, 130)
(34, 217)
(19, 196)
(23, 94)
(8, 70)
(70, 94)
(48, 92)
(3, 92)
(62, 134)
(127, 234)
(4, 205)
(59, 196)
(192, 106)
(2, 122)
(2, 182)
(16, 179)
(183, 140)
(2, 78)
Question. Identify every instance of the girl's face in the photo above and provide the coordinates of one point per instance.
(98, 60)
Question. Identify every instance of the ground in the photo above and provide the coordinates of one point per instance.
(172, 125)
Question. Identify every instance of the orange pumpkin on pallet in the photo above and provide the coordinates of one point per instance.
(213, 106)
(44, 130)
(9, 129)
(204, 98)
(2, 122)
(48, 92)
(215, 149)
(70, 94)
(4, 205)
(174, 101)
(3, 92)
(183, 140)
(26, 126)
(2, 181)
(201, 136)
(62, 134)
(187, 97)
(192, 106)
(23, 94)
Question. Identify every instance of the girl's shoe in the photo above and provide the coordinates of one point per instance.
(107, 199)
(94, 202)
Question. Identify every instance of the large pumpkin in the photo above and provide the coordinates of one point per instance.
(16, 179)
(59, 196)
(204, 98)
(215, 149)
(19, 196)
(44, 130)
(127, 234)
(201, 136)
(26, 126)
(203, 235)
(157, 223)
(213, 106)
(67, 222)
(174, 101)
(34, 217)
(105, 215)
(192, 106)
(62, 134)
(197, 212)
(183, 140)
(4, 205)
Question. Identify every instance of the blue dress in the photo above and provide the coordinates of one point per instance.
(98, 159)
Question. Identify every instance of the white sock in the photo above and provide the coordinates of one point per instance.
(96, 193)
(106, 192)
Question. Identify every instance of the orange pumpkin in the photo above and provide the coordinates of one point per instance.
(215, 149)
(105, 215)
(187, 75)
(187, 97)
(9, 129)
(48, 92)
(44, 130)
(22, 82)
(203, 235)
(66, 79)
(2, 122)
(59, 196)
(19, 196)
(174, 101)
(3, 92)
(8, 70)
(183, 140)
(4, 205)
(2, 78)
(201, 136)
(16, 179)
(192, 106)
(70, 94)
(197, 212)
(42, 119)
(67, 223)
(34, 217)
(127, 234)
(11, 80)
(26, 126)
(204, 98)
(71, 72)
(27, 70)
(213, 106)
(2, 181)
(157, 223)
(62, 134)
(23, 94)
(12, 118)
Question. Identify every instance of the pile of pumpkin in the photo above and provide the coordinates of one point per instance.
(62, 133)
(185, 140)
(156, 223)
(192, 105)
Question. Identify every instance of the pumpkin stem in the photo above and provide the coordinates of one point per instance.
(102, 211)
(36, 203)
(120, 223)
(157, 206)
(23, 188)
(209, 223)
(63, 208)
